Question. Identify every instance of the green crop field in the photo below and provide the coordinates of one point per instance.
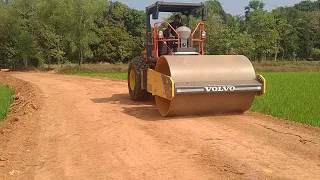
(291, 96)
(121, 76)
(5, 100)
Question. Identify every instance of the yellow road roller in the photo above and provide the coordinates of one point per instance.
(183, 80)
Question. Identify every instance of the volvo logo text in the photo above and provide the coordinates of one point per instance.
(220, 88)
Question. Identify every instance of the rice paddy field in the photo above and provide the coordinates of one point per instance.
(292, 96)
(5, 100)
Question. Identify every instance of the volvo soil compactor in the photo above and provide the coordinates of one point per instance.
(185, 81)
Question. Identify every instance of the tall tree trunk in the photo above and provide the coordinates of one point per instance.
(81, 56)
(25, 60)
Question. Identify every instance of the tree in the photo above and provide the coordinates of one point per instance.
(261, 27)
(35, 31)
(308, 6)
(254, 5)
(121, 32)
(9, 31)
(77, 20)
(26, 47)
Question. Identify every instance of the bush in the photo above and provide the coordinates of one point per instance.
(315, 54)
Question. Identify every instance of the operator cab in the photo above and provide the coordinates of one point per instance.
(184, 33)
(160, 43)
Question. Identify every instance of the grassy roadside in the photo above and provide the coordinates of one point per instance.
(265, 66)
(118, 71)
(121, 76)
(5, 100)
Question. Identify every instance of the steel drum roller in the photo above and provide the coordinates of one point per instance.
(208, 84)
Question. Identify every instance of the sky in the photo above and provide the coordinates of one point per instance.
(234, 7)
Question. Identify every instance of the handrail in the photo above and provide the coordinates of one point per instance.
(195, 30)
(156, 31)
(200, 41)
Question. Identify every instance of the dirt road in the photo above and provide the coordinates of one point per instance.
(84, 128)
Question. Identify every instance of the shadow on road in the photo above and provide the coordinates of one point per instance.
(152, 114)
(122, 99)
(146, 110)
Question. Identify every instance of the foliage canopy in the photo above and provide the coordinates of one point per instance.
(33, 32)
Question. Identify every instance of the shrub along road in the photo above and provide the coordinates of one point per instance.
(88, 128)
(5, 100)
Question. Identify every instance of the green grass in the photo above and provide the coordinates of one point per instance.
(292, 96)
(5, 100)
(265, 66)
(121, 76)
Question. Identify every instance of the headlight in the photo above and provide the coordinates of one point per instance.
(161, 34)
(203, 34)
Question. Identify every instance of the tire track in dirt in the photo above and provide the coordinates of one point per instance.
(90, 129)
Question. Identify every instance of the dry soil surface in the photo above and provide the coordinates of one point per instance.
(65, 127)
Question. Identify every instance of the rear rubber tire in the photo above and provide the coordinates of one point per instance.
(137, 94)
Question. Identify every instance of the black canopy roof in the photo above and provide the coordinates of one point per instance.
(174, 6)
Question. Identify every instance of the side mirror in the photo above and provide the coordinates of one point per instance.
(204, 14)
(155, 13)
